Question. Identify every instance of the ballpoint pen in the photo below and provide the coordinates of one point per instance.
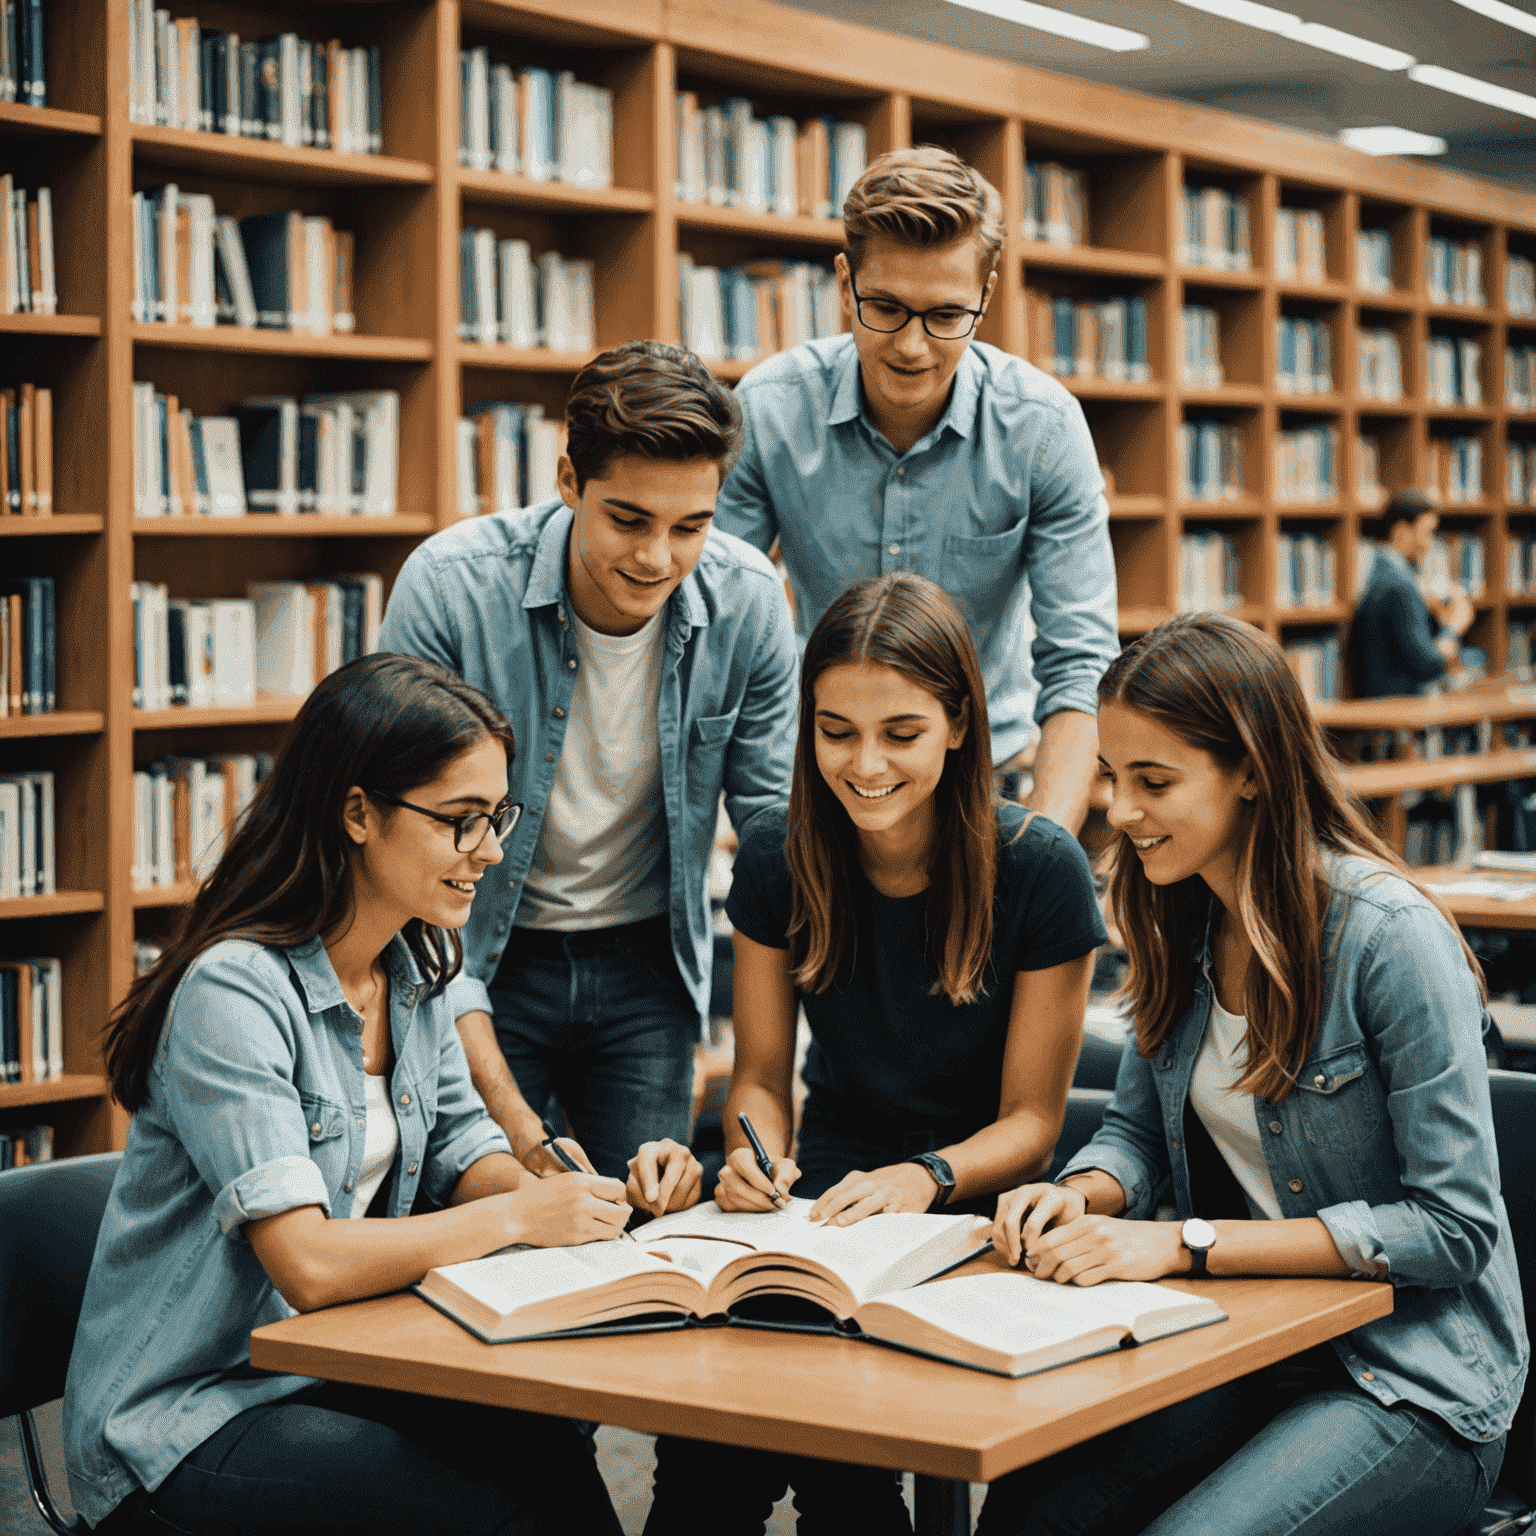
(760, 1155)
(550, 1141)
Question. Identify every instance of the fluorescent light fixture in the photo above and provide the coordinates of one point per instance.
(1392, 141)
(1042, 18)
(1496, 10)
(1473, 90)
(1265, 17)
(1315, 35)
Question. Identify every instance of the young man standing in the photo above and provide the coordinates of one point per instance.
(909, 446)
(647, 662)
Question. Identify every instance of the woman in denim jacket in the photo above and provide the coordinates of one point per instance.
(291, 1062)
(1308, 1075)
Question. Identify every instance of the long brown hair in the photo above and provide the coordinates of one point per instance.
(1224, 687)
(909, 624)
(385, 722)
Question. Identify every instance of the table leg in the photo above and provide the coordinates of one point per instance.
(943, 1506)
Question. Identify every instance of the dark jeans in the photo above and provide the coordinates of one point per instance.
(601, 1023)
(1295, 1450)
(337, 1460)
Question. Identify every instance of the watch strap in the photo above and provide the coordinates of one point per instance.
(943, 1175)
(1197, 1261)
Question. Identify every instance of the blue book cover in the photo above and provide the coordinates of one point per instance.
(375, 103)
(1064, 334)
(1136, 333)
(268, 241)
(269, 88)
(539, 152)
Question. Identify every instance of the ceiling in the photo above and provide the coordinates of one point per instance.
(1201, 58)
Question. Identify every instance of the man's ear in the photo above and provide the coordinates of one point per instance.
(565, 482)
(354, 815)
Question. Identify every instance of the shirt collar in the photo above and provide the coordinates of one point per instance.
(965, 388)
(317, 976)
(1397, 561)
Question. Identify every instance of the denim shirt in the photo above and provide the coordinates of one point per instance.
(256, 1105)
(487, 599)
(1001, 503)
(1387, 1139)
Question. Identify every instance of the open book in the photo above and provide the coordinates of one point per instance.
(699, 1264)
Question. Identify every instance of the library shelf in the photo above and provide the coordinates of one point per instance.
(36, 527)
(1476, 314)
(39, 121)
(177, 895)
(1323, 613)
(1323, 403)
(1395, 298)
(1372, 781)
(1090, 258)
(1365, 406)
(264, 525)
(247, 339)
(258, 160)
(51, 325)
(59, 904)
(67, 722)
(1116, 389)
(1232, 509)
(1331, 290)
(1222, 394)
(57, 1090)
(1514, 702)
(550, 196)
(801, 228)
(1137, 621)
(268, 709)
(1218, 277)
(1469, 413)
(472, 354)
(1310, 509)
(1136, 506)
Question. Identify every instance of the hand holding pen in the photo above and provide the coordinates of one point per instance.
(551, 1143)
(752, 1180)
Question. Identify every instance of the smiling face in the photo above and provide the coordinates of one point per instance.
(1184, 813)
(638, 532)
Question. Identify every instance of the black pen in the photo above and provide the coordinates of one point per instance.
(550, 1141)
(759, 1154)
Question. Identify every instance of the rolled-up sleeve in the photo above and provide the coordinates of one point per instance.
(463, 1131)
(1130, 1145)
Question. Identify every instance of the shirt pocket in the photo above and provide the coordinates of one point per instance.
(1341, 1099)
(329, 1147)
(981, 571)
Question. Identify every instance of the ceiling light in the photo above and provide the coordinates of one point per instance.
(1265, 17)
(1473, 90)
(1060, 24)
(1496, 10)
(1315, 35)
(1392, 141)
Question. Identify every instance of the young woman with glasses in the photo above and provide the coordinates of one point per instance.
(292, 1065)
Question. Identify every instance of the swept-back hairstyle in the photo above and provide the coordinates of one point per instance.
(384, 722)
(911, 625)
(1224, 688)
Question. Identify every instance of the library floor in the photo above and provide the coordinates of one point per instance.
(624, 1456)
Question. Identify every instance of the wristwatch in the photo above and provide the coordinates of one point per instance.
(1199, 1237)
(943, 1175)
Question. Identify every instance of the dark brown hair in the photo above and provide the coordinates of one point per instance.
(925, 197)
(1404, 507)
(651, 399)
(1224, 687)
(911, 625)
(383, 722)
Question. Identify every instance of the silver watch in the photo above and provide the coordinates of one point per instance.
(1199, 1237)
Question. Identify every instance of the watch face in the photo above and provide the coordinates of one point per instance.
(1196, 1233)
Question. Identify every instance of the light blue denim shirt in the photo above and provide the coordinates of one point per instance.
(1387, 1139)
(1002, 504)
(487, 599)
(256, 1106)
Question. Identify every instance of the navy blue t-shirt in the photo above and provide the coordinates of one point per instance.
(885, 1046)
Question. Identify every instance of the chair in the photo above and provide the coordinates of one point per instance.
(1085, 1112)
(1098, 1062)
(49, 1217)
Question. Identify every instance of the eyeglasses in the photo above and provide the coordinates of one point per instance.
(947, 322)
(468, 831)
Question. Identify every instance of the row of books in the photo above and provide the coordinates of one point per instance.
(336, 454)
(26, 251)
(1373, 260)
(1520, 285)
(1318, 664)
(1210, 461)
(27, 651)
(1453, 371)
(1455, 559)
(1306, 571)
(756, 309)
(1200, 347)
(508, 453)
(1520, 378)
(23, 64)
(1307, 464)
(1520, 472)
(1454, 471)
(1454, 271)
(1520, 566)
(32, 1027)
(282, 88)
(1369, 490)
(542, 124)
(1208, 575)
(508, 297)
(25, 1145)
(1381, 365)
(1214, 230)
(730, 158)
(278, 271)
(1299, 248)
(26, 451)
(1055, 203)
(184, 809)
(1086, 338)
(1306, 356)
(27, 866)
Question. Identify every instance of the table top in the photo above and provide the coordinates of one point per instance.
(838, 1398)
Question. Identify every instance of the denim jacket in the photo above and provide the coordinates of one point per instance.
(487, 599)
(1387, 1139)
(256, 1106)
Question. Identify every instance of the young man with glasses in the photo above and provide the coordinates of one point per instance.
(909, 445)
(647, 663)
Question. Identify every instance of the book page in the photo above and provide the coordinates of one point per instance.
(517, 1277)
(749, 1229)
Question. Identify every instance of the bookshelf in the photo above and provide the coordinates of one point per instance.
(407, 206)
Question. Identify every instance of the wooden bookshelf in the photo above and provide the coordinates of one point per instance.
(407, 207)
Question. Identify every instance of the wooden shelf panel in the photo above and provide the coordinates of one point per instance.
(1137, 506)
(1216, 277)
(1397, 299)
(1474, 415)
(1311, 509)
(1376, 780)
(60, 904)
(51, 325)
(16, 120)
(263, 525)
(1323, 403)
(550, 196)
(1137, 621)
(1324, 613)
(730, 368)
(1420, 713)
(1223, 394)
(268, 709)
(73, 522)
(766, 226)
(259, 160)
(1091, 258)
(1476, 314)
(1237, 507)
(245, 339)
(521, 359)
(69, 722)
(58, 1090)
(1328, 291)
(177, 895)
(1115, 389)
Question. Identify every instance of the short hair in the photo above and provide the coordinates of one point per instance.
(924, 197)
(651, 399)
(1404, 507)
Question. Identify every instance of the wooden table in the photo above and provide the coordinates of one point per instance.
(839, 1399)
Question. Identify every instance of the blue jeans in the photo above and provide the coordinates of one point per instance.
(607, 1030)
(1295, 1450)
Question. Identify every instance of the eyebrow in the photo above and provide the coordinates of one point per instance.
(639, 511)
(832, 714)
(478, 800)
(885, 293)
(1141, 762)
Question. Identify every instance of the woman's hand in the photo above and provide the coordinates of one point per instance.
(1023, 1214)
(901, 1187)
(1094, 1248)
(555, 1213)
(744, 1186)
(663, 1176)
(541, 1161)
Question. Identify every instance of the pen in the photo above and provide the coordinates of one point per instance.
(759, 1154)
(571, 1163)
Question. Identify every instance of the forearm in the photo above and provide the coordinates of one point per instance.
(1103, 1192)
(1066, 763)
(494, 1082)
(1299, 1246)
(1015, 1149)
(770, 1110)
(495, 1174)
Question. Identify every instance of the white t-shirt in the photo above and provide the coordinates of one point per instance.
(1232, 1118)
(380, 1142)
(601, 858)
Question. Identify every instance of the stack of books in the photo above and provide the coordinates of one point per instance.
(1055, 203)
(1455, 470)
(1318, 665)
(31, 1034)
(27, 285)
(305, 630)
(191, 652)
(547, 126)
(1299, 251)
(26, 451)
(1208, 578)
(280, 88)
(507, 297)
(756, 309)
(1087, 339)
(1520, 473)
(1520, 285)
(184, 809)
(508, 455)
(1307, 464)
(1210, 461)
(26, 1144)
(1454, 269)
(1373, 260)
(279, 271)
(1306, 356)
(1200, 347)
(184, 465)
(27, 646)
(1453, 371)
(1369, 490)
(23, 64)
(1306, 571)
(26, 835)
(1214, 230)
(1381, 366)
(1520, 378)
(730, 158)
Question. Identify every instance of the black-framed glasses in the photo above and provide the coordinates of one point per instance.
(945, 322)
(468, 831)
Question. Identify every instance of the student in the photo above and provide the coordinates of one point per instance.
(291, 1063)
(1308, 1076)
(908, 445)
(941, 946)
(648, 661)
